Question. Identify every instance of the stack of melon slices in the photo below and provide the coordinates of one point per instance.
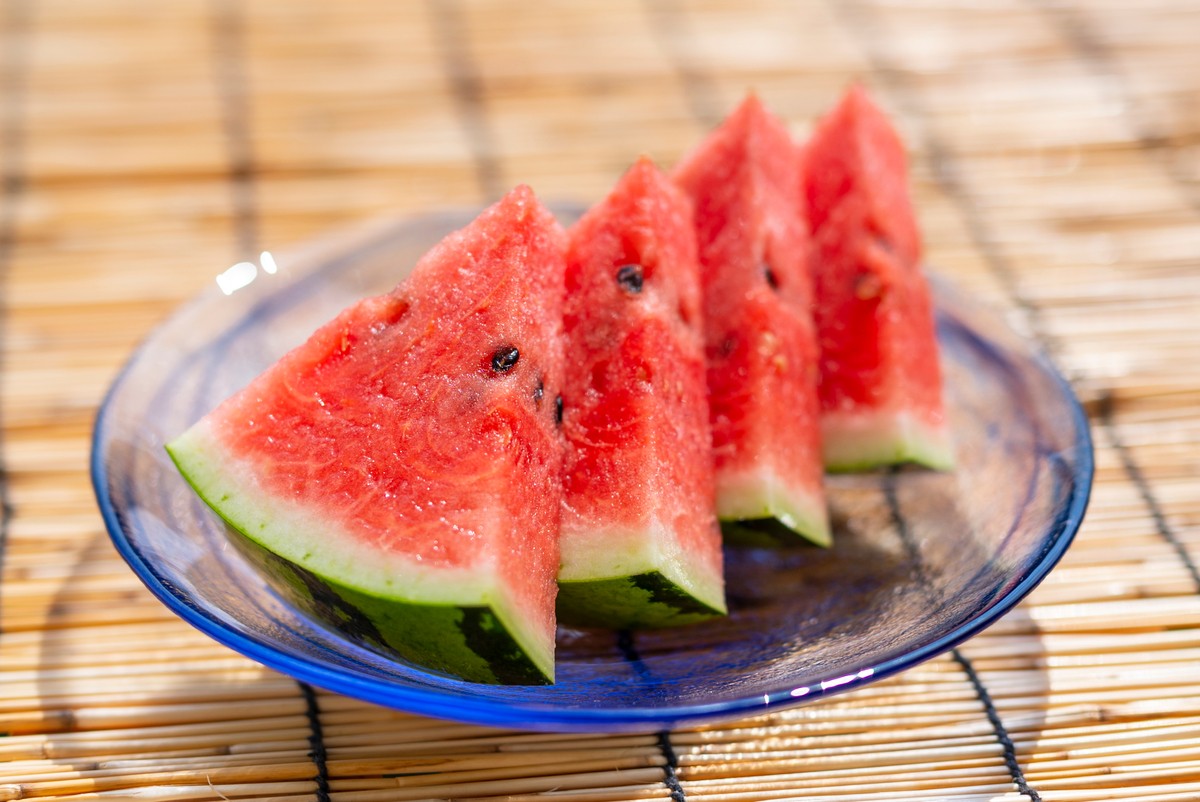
(540, 418)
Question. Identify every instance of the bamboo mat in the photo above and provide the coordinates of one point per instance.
(144, 146)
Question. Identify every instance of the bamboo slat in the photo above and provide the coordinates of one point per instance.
(144, 147)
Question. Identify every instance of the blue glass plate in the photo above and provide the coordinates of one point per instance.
(922, 560)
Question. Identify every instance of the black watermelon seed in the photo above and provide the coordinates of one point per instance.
(630, 277)
(539, 391)
(558, 409)
(772, 279)
(505, 358)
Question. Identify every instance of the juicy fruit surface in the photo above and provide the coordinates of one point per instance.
(371, 419)
(880, 386)
(415, 434)
(640, 543)
(856, 157)
(409, 474)
(759, 338)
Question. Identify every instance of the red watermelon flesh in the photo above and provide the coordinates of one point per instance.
(640, 543)
(406, 459)
(880, 387)
(760, 342)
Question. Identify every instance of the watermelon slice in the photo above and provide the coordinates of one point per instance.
(880, 387)
(759, 338)
(401, 469)
(640, 543)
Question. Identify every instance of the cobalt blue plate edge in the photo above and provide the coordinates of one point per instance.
(922, 560)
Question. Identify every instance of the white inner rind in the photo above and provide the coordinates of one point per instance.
(865, 438)
(307, 538)
(759, 493)
(590, 555)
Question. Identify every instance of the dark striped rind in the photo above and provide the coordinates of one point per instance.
(762, 533)
(641, 600)
(469, 642)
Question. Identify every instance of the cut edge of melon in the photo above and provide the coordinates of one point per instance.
(752, 495)
(228, 485)
(866, 439)
(635, 577)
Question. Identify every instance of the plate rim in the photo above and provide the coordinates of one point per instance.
(532, 716)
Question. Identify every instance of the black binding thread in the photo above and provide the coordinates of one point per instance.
(1133, 470)
(1080, 35)
(1001, 732)
(670, 25)
(628, 650)
(467, 87)
(316, 741)
(948, 175)
(229, 37)
(1097, 56)
(17, 18)
(671, 775)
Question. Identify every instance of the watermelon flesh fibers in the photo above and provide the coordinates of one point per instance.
(401, 470)
(536, 420)
(760, 342)
(640, 542)
(880, 385)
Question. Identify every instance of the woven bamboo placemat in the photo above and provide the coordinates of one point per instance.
(1056, 151)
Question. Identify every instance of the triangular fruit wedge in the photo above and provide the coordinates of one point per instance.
(400, 471)
(880, 386)
(759, 337)
(640, 543)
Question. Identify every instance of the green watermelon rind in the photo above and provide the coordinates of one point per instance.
(655, 600)
(454, 620)
(760, 533)
(633, 578)
(863, 440)
(759, 495)
(436, 636)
